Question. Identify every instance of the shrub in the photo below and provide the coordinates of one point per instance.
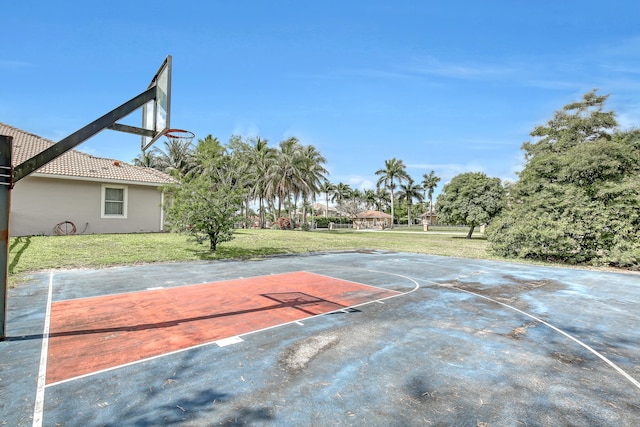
(284, 224)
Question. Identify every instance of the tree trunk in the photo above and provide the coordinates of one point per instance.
(261, 207)
(470, 231)
(213, 242)
(292, 212)
(247, 222)
(431, 209)
(279, 208)
(326, 212)
(393, 215)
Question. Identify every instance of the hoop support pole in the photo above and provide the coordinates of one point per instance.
(6, 183)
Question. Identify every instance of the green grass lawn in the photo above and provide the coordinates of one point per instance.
(102, 250)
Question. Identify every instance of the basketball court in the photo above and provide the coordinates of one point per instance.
(351, 338)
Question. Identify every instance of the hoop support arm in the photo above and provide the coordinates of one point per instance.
(131, 129)
(81, 135)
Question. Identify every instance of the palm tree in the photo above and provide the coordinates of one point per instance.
(394, 170)
(296, 171)
(369, 198)
(342, 192)
(313, 174)
(382, 199)
(408, 192)
(240, 155)
(429, 183)
(177, 157)
(328, 189)
(147, 159)
(284, 172)
(261, 156)
(356, 195)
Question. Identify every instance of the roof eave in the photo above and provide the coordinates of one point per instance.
(95, 179)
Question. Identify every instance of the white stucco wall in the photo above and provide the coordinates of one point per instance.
(39, 203)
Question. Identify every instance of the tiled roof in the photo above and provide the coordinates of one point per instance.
(373, 214)
(77, 164)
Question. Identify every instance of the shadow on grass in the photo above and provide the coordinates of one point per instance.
(472, 238)
(237, 253)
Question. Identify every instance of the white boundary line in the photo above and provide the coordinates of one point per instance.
(363, 284)
(298, 322)
(38, 410)
(549, 325)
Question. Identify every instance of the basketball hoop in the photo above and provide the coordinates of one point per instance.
(179, 136)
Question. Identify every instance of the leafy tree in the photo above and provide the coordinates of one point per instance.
(429, 183)
(576, 199)
(394, 169)
(408, 192)
(471, 199)
(206, 202)
(352, 207)
(204, 209)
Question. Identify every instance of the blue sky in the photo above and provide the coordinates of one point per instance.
(445, 86)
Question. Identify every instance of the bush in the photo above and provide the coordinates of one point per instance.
(322, 222)
(283, 224)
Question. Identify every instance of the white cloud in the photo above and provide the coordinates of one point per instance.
(361, 183)
(246, 130)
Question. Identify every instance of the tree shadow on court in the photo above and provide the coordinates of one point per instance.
(17, 253)
(296, 300)
(201, 407)
(185, 398)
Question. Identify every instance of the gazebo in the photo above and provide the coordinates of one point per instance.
(369, 220)
(429, 218)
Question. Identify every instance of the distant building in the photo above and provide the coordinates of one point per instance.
(429, 218)
(319, 209)
(372, 220)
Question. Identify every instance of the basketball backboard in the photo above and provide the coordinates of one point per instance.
(156, 114)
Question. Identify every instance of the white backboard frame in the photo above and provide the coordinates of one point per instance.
(156, 114)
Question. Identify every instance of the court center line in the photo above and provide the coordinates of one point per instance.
(549, 325)
(38, 410)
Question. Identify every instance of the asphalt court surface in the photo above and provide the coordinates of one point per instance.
(436, 341)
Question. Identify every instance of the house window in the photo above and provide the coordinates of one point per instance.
(114, 201)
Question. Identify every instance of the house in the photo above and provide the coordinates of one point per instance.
(320, 209)
(372, 220)
(77, 193)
